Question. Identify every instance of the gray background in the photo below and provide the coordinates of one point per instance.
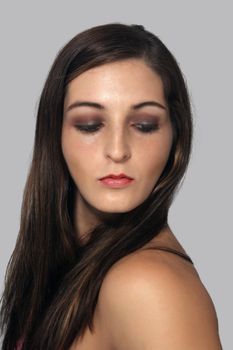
(199, 34)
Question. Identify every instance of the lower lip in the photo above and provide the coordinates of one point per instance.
(116, 183)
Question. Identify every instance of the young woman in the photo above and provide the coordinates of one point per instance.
(96, 265)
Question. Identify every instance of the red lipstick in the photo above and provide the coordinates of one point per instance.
(116, 181)
(116, 176)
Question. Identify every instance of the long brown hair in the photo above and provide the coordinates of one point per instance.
(52, 281)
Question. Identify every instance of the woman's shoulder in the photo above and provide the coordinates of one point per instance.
(156, 293)
(148, 265)
(151, 266)
(151, 263)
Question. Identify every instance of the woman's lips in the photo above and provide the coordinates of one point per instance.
(121, 182)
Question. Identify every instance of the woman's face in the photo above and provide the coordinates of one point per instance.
(115, 136)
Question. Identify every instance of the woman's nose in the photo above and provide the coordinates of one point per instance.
(117, 146)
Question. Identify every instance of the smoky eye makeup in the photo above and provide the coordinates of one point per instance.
(88, 128)
(147, 127)
(143, 123)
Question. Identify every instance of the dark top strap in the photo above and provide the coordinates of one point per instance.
(174, 251)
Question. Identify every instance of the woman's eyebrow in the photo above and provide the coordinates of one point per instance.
(99, 106)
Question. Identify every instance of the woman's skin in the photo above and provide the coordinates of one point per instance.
(184, 317)
(119, 146)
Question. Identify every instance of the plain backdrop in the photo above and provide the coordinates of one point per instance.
(199, 34)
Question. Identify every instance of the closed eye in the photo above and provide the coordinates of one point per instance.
(147, 127)
(88, 128)
(141, 127)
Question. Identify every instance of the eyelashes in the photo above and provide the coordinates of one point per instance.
(141, 127)
(147, 127)
(91, 128)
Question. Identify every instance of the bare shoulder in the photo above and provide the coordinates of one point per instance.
(150, 301)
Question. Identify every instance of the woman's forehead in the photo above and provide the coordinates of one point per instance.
(130, 81)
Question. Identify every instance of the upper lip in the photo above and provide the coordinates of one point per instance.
(113, 176)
